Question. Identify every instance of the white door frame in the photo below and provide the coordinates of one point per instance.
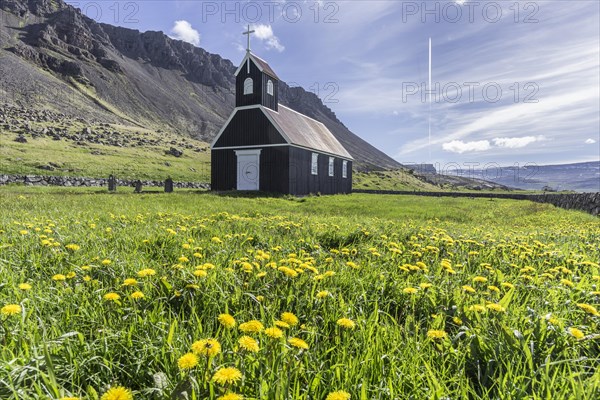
(244, 160)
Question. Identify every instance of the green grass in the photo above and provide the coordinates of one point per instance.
(146, 162)
(390, 180)
(532, 262)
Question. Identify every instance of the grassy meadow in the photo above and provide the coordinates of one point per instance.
(192, 295)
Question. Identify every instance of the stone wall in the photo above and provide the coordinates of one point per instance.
(588, 202)
(70, 181)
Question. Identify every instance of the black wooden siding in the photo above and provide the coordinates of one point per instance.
(302, 181)
(249, 127)
(283, 169)
(274, 170)
(259, 95)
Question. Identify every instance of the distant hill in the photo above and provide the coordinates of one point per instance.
(580, 177)
(54, 57)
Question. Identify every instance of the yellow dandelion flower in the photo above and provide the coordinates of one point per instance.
(200, 273)
(289, 318)
(566, 282)
(282, 324)
(137, 295)
(251, 326)
(70, 398)
(322, 294)
(187, 361)
(288, 272)
(59, 277)
(226, 320)
(410, 290)
(146, 272)
(436, 334)
(576, 333)
(106, 262)
(496, 307)
(338, 395)
(346, 323)
(130, 282)
(10, 309)
(260, 298)
(231, 396)
(111, 297)
(206, 347)
(425, 285)
(72, 247)
(457, 320)
(24, 286)
(71, 275)
(476, 308)
(183, 259)
(227, 376)
(297, 342)
(117, 393)
(274, 333)
(507, 285)
(588, 309)
(493, 288)
(249, 344)
(468, 289)
(479, 279)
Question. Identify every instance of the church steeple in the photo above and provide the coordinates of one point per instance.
(256, 82)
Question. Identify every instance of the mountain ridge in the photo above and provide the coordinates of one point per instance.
(90, 70)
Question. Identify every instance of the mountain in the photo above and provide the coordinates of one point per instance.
(580, 177)
(54, 57)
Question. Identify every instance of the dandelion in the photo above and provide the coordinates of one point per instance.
(338, 395)
(187, 361)
(476, 308)
(59, 277)
(72, 247)
(289, 318)
(425, 285)
(436, 334)
(576, 333)
(146, 272)
(288, 272)
(493, 288)
(206, 347)
(410, 290)
(507, 285)
(111, 297)
(249, 344)
(130, 282)
(70, 398)
(71, 275)
(468, 289)
(183, 259)
(346, 323)
(496, 307)
(137, 295)
(106, 262)
(24, 286)
(253, 326)
(566, 282)
(117, 393)
(200, 273)
(227, 376)
(10, 309)
(322, 294)
(282, 324)
(297, 342)
(274, 333)
(479, 279)
(231, 396)
(588, 309)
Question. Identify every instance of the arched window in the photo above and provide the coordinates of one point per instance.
(248, 86)
(270, 87)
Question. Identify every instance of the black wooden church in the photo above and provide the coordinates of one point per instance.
(269, 147)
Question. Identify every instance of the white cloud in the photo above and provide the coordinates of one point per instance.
(517, 142)
(265, 33)
(182, 30)
(458, 146)
(590, 141)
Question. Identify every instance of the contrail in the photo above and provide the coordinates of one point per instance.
(430, 92)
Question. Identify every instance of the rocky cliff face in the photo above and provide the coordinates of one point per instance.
(53, 56)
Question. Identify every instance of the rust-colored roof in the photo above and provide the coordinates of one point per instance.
(303, 131)
(263, 65)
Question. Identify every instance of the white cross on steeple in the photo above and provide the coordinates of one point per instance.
(248, 32)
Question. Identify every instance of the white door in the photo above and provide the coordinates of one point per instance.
(248, 169)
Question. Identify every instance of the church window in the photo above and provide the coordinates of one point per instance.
(248, 86)
(270, 87)
(330, 166)
(314, 167)
(344, 169)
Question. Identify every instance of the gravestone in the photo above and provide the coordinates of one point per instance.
(138, 186)
(112, 184)
(169, 185)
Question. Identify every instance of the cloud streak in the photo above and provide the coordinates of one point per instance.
(265, 33)
(182, 30)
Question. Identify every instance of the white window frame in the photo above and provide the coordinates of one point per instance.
(344, 169)
(248, 86)
(270, 87)
(331, 166)
(314, 165)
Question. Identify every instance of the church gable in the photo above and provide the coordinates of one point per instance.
(248, 127)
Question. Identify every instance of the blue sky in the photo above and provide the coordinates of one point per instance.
(514, 82)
